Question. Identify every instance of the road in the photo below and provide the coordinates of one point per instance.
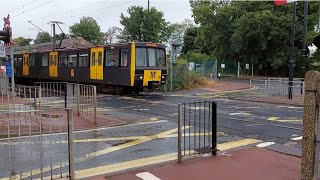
(150, 136)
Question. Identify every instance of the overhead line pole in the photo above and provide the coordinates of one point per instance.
(291, 62)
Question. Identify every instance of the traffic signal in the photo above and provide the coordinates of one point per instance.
(5, 36)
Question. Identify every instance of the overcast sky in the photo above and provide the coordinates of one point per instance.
(106, 12)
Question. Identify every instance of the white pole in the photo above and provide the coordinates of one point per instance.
(238, 69)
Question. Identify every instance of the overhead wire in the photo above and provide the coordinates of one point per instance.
(71, 10)
(33, 8)
(19, 7)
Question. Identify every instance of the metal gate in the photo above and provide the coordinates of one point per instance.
(197, 129)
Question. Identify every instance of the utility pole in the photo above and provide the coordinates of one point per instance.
(148, 5)
(304, 50)
(291, 61)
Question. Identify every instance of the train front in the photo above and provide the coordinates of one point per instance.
(150, 65)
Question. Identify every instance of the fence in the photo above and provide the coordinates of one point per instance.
(80, 97)
(277, 90)
(36, 144)
(197, 129)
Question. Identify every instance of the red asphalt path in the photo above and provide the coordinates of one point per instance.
(245, 164)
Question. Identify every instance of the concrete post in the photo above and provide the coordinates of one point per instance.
(309, 158)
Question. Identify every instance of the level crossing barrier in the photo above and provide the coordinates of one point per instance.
(197, 129)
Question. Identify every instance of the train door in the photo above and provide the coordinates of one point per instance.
(96, 63)
(53, 64)
(25, 65)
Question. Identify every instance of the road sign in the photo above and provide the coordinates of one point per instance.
(2, 69)
(2, 50)
(8, 69)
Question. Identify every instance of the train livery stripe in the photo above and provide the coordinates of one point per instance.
(133, 63)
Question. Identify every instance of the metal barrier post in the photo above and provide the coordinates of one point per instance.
(70, 144)
(179, 134)
(78, 99)
(65, 95)
(95, 104)
(214, 128)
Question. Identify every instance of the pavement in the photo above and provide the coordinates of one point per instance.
(244, 164)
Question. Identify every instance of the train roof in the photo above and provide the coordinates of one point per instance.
(76, 44)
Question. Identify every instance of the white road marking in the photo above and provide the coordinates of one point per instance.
(147, 176)
(297, 138)
(265, 144)
(241, 113)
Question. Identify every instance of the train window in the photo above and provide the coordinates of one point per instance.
(51, 61)
(152, 57)
(141, 57)
(112, 57)
(161, 58)
(93, 59)
(44, 60)
(15, 61)
(83, 59)
(20, 61)
(32, 58)
(100, 59)
(55, 61)
(73, 60)
(124, 57)
(63, 59)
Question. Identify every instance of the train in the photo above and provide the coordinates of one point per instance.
(123, 68)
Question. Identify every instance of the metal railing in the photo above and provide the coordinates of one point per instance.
(39, 144)
(277, 90)
(197, 129)
(80, 97)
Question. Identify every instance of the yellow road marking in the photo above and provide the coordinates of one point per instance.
(102, 170)
(283, 120)
(113, 139)
(135, 163)
(235, 144)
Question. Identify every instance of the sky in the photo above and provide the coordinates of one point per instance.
(105, 12)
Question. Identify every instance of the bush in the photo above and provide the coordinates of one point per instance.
(184, 79)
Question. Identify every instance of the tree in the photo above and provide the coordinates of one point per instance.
(189, 40)
(143, 25)
(111, 34)
(21, 41)
(42, 37)
(88, 29)
(257, 32)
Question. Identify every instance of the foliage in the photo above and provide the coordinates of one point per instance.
(253, 32)
(111, 34)
(88, 29)
(183, 78)
(21, 41)
(197, 57)
(189, 40)
(43, 37)
(144, 26)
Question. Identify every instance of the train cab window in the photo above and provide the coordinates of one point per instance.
(44, 60)
(152, 57)
(15, 61)
(161, 58)
(124, 57)
(73, 60)
(32, 58)
(83, 59)
(112, 58)
(141, 57)
(63, 59)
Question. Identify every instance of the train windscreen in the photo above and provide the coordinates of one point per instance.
(151, 57)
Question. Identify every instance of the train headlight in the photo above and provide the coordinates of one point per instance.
(141, 77)
(162, 77)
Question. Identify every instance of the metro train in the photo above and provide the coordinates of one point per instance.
(116, 68)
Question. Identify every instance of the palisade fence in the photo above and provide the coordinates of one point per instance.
(277, 90)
